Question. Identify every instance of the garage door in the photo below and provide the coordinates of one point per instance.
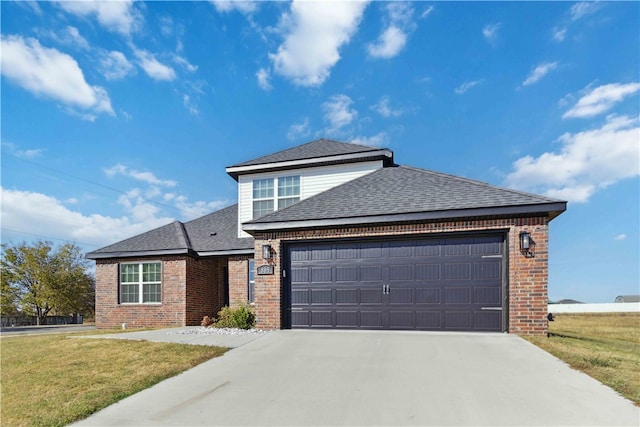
(430, 284)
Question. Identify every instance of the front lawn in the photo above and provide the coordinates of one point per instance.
(604, 346)
(52, 380)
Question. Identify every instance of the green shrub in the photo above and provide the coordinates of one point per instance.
(241, 317)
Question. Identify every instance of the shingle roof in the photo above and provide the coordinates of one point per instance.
(314, 149)
(403, 190)
(215, 232)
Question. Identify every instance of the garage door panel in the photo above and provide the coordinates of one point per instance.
(462, 320)
(369, 296)
(461, 295)
(400, 272)
(321, 296)
(457, 271)
(346, 319)
(428, 296)
(428, 284)
(371, 319)
(346, 296)
(401, 319)
(300, 296)
(321, 318)
(428, 320)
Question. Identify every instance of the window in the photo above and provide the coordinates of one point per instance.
(252, 281)
(141, 283)
(265, 198)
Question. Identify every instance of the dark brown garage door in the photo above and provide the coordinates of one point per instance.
(430, 284)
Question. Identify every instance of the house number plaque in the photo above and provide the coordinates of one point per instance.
(265, 269)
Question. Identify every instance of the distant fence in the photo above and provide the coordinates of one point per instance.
(8, 321)
(614, 307)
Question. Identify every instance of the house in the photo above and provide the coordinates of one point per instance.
(336, 235)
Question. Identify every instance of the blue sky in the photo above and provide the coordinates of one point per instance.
(120, 117)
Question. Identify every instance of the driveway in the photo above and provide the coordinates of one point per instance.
(376, 378)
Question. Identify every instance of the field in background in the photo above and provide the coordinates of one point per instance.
(605, 346)
(52, 380)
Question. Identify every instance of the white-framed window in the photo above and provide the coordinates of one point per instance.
(141, 283)
(252, 281)
(266, 199)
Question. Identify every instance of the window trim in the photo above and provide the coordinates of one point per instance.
(140, 283)
(275, 198)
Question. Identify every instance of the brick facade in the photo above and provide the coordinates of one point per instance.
(191, 289)
(526, 280)
(238, 280)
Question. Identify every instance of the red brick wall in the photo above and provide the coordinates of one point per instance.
(238, 280)
(527, 277)
(191, 289)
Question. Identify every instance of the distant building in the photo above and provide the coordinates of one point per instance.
(627, 298)
(569, 301)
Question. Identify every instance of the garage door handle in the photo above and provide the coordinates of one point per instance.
(491, 308)
(385, 290)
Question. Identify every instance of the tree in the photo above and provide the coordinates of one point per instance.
(40, 279)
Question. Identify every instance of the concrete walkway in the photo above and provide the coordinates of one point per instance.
(306, 378)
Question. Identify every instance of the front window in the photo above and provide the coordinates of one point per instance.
(252, 281)
(141, 283)
(266, 199)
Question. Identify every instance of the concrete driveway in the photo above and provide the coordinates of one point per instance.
(376, 378)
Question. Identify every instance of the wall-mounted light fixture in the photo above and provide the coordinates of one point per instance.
(527, 244)
(266, 251)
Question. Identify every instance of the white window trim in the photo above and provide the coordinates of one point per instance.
(140, 283)
(275, 198)
(251, 267)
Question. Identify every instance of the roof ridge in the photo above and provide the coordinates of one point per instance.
(185, 235)
(481, 183)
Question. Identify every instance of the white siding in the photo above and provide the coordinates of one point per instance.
(312, 181)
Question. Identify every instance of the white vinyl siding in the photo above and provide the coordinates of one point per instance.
(312, 181)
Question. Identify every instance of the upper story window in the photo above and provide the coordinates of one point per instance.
(266, 199)
(141, 282)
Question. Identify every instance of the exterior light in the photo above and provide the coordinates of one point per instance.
(266, 251)
(526, 244)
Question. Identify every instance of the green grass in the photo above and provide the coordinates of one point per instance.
(604, 346)
(52, 380)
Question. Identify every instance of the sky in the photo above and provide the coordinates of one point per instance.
(120, 117)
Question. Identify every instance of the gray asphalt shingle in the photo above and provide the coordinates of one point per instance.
(216, 231)
(310, 150)
(402, 190)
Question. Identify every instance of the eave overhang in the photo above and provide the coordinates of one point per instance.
(129, 254)
(551, 210)
(385, 155)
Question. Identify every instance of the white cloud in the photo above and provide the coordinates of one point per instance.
(559, 34)
(182, 61)
(394, 38)
(28, 154)
(299, 130)
(389, 44)
(601, 99)
(337, 112)
(581, 9)
(44, 215)
(188, 103)
(314, 33)
(466, 86)
(539, 72)
(621, 236)
(114, 65)
(245, 7)
(263, 79)
(154, 68)
(427, 12)
(51, 73)
(117, 16)
(490, 32)
(69, 36)
(384, 109)
(378, 140)
(147, 177)
(586, 162)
